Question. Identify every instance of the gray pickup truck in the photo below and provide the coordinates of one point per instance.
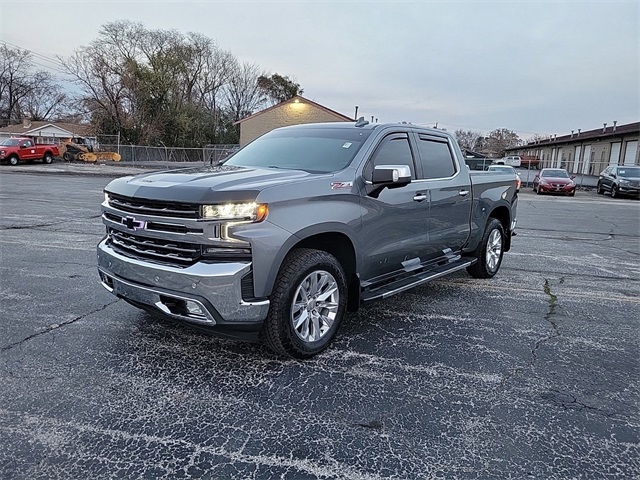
(301, 225)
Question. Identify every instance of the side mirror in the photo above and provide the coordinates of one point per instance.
(573, 177)
(391, 175)
(23, 146)
(613, 175)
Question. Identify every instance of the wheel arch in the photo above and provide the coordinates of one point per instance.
(337, 243)
(503, 215)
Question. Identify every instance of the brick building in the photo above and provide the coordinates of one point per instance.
(294, 111)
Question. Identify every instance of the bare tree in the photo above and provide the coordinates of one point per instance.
(499, 140)
(16, 81)
(243, 94)
(469, 140)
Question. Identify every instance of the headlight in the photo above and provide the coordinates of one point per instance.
(624, 182)
(106, 198)
(251, 211)
(2, 153)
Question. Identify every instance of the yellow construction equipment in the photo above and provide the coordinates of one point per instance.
(71, 151)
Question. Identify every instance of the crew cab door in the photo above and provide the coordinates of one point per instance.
(447, 183)
(394, 225)
(27, 150)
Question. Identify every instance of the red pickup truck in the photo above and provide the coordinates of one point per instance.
(16, 150)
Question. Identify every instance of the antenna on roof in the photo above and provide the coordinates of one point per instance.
(361, 122)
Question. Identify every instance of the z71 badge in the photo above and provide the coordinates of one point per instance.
(341, 185)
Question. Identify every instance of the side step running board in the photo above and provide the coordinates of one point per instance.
(413, 281)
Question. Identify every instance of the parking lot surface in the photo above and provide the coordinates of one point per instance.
(532, 374)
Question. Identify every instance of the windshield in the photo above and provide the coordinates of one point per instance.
(629, 172)
(555, 173)
(317, 150)
(10, 142)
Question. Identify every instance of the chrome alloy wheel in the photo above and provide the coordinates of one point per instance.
(315, 305)
(494, 250)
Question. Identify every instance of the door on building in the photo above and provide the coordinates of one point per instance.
(630, 152)
(614, 155)
(559, 159)
(587, 160)
(576, 164)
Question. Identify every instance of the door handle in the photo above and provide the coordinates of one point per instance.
(420, 197)
(462, 193)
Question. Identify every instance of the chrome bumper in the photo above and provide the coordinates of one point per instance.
(206, 294)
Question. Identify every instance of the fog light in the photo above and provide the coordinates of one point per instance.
(194, 309)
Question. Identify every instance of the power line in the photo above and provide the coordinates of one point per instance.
(35, 54)
(39, 57)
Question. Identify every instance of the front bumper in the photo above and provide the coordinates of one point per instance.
(628, 190)
(205, 295)
(561, 190)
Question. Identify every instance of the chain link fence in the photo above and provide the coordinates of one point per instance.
(145, 154)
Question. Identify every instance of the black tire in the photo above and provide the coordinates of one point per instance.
(538, 191)
(47, 158)
(298, 269)
(490, 251)
(614, 192)
(599, 189)
(13, 160)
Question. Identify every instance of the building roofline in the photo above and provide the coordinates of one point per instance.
(291, 100)
(598, 133)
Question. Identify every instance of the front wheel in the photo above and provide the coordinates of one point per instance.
(307, 305)
(614, 192)
(599, 189)
(490, 251)
(13, 161)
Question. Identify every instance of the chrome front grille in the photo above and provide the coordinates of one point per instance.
(154, 249)
(157, 208)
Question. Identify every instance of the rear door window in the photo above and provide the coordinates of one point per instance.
(435, 158)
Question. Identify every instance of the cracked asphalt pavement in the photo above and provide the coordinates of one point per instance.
(532, 374)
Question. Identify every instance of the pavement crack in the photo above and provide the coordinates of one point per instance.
(549, 317)
(48, 224)
(568, 401)
(55, 326)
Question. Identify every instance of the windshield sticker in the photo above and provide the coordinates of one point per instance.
(341, 185)
(347, 144)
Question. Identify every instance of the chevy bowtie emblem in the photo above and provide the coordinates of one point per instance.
(132, 224)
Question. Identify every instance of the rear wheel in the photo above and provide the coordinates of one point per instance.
(490, 251)
(47, 158)
(307, 305)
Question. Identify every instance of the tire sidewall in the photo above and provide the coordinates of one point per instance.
(493, 225)
(298, 348)
(13, 161)
(48, 158)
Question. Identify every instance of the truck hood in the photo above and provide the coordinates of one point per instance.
(221, 183)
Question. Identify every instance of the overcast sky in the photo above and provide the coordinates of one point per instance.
(534, 67)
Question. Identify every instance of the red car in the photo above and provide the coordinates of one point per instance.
(554, 180)
(16, 150)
